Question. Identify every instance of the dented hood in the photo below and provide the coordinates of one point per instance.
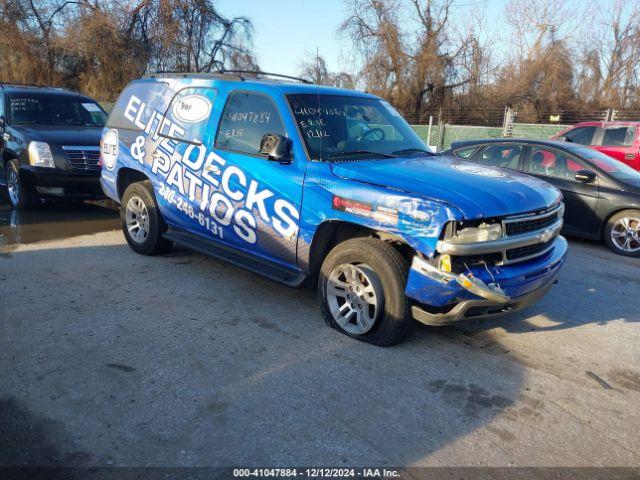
(477, 191)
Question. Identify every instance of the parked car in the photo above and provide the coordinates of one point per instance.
(49, 144)
(620, 140)
(303, 183)
(601, 194)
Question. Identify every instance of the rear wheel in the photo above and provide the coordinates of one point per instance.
(142, 222)
(20, 195)
(622, 233)
(361, 291)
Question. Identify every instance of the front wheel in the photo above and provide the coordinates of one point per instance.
(622, 233)
(361, 291)
(21, 196)
(142, 222)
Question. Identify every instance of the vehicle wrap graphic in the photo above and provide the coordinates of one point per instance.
(196, 187)
(180, 134)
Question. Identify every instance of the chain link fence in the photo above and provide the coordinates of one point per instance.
(444, 127)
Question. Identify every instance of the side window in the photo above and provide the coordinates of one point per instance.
(465, 152)
(554, 164)
(247, 117)
(1, 104)
(505, 156)
(136, 107)
(618, 137)
(581, 135)
(190, 109)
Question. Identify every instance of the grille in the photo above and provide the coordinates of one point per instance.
(526, 226)
(528, 251)
(83, 158)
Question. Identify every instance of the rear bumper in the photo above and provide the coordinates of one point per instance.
(440, 300)
(60, 184)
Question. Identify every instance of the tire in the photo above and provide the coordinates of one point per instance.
(622, 233)
(375, 268)
(21, 196)
(139, 207)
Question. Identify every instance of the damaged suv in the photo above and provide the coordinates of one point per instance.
(303, 183)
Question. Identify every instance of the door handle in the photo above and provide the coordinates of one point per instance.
(629, 156)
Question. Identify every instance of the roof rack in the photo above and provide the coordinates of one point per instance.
(162, 73)
(266, 74)
(223, 74)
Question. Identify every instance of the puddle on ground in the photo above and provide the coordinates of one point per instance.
(53, 221)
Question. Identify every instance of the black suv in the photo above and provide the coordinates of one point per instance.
(50, 144)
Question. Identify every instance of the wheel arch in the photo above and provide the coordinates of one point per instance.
(332, 232)
(7, 155)
(127, 176)
(611, 214)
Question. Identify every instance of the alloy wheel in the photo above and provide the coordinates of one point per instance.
(13, 186)
(625, 234)
(137, 219)
(354, 295)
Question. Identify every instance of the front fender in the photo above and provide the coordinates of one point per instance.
(416, 220)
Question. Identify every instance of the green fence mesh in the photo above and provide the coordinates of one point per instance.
(532, 130)
(453, 133)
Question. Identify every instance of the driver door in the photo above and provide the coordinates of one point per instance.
(580, 199)
(264, 195)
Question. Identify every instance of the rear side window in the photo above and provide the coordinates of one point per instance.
(191, 110)
(247, 117)
(140, 107)
(618, 137)
(505, 156)
(465, 152)
(581, 135)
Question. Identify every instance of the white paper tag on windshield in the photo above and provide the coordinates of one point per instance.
(91, 107)
(388, 106)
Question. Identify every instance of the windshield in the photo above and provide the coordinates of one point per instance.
(27, 109)
(611, 166)
(335, 126)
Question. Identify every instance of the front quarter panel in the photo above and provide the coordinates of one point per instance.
(416, 220)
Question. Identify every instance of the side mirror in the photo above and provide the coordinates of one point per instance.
(276, 147)
(3, 122)
(585, 176)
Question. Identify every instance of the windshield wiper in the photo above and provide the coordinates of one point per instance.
(413, 150)
(351, 153)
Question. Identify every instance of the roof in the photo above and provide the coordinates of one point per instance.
(483, 141)
(602, 123)
(14, 88)
(284, 83)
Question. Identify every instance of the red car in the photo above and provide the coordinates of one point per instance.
(620, 140)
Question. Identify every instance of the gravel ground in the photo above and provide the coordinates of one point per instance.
(111, 358)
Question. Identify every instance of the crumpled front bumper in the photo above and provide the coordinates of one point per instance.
(441, 301)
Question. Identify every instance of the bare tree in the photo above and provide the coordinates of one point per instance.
(100, 45)
(190, 35)
(415, 69)
(610, 73)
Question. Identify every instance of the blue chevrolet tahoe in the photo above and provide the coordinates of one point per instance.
(309, 184)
